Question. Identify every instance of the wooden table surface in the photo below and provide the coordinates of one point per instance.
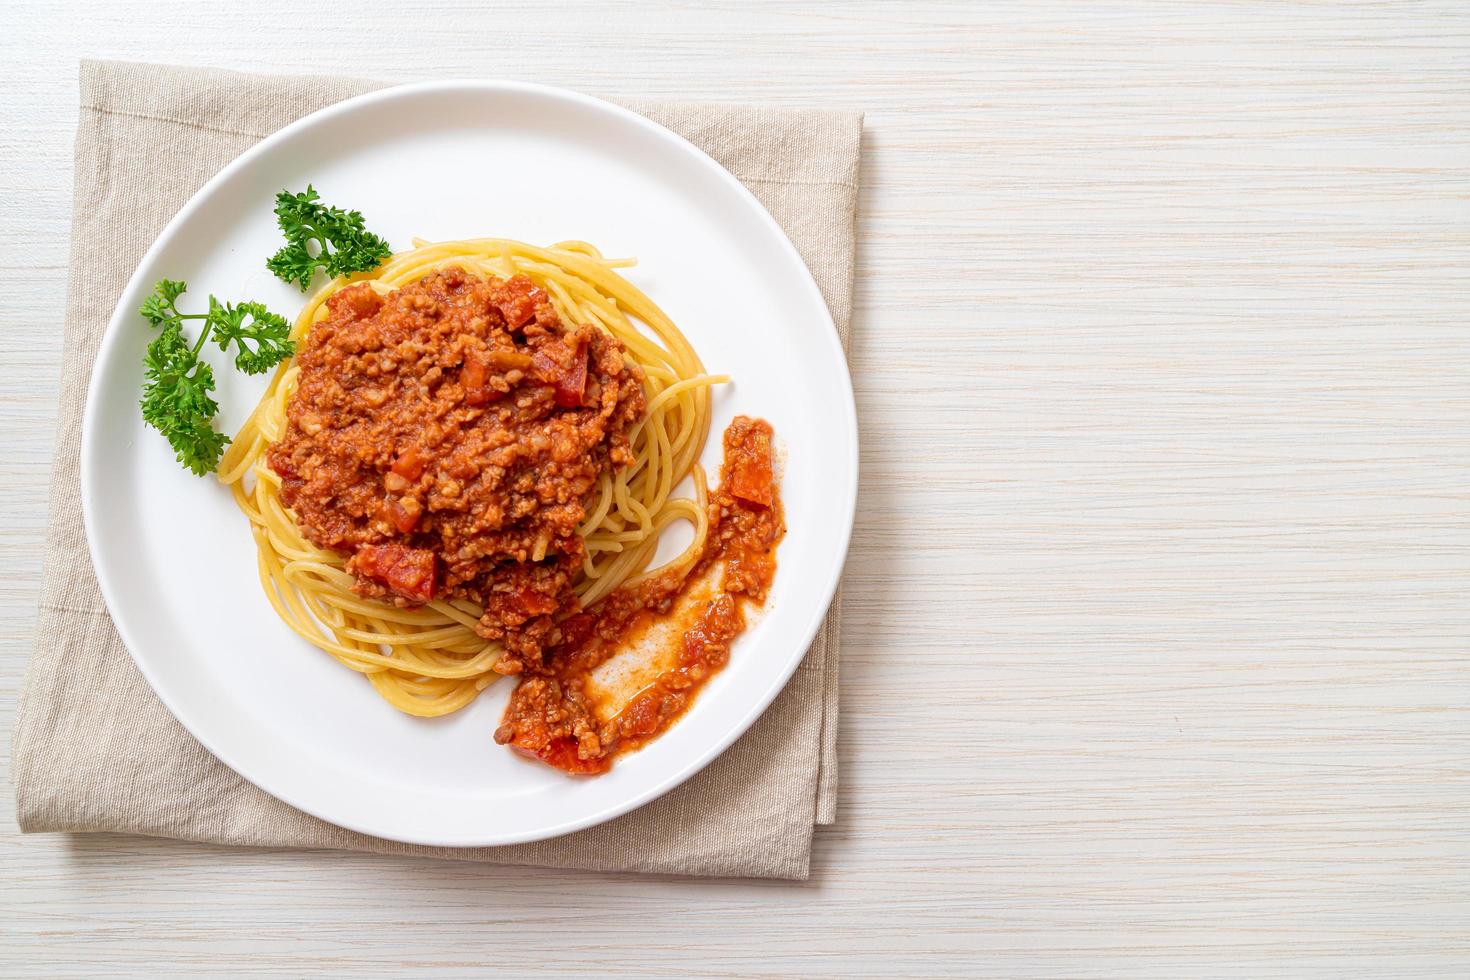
(1158, 620)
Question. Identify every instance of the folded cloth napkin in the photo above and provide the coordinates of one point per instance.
(95, 750)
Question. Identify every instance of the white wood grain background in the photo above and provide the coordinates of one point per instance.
(1158, 622)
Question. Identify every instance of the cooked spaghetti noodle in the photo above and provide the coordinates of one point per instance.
(428, 660)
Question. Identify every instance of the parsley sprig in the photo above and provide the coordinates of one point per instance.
(177, 382)
(342, 245)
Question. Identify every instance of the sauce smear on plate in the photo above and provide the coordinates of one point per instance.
(691, 614)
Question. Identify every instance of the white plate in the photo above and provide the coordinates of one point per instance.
(455, 160)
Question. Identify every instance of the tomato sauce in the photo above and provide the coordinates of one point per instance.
(445, 437)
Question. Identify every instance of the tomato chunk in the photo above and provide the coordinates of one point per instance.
(748, 456)
(409, 572)
(474, 377)
(403, 513)
(517, 300)
(410, 463)
(568, 379)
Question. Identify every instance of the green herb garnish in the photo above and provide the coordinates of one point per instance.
(177, 382)
(343, 245)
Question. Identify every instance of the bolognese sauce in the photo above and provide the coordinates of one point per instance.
(446, 436)
(552, 714)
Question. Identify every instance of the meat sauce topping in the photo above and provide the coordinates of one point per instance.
(446, 438)
(551, 715)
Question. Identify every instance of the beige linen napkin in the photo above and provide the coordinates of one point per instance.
(95, 750)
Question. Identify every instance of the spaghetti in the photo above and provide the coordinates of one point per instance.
(429, 660)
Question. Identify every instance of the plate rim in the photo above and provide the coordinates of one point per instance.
(846, 417)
